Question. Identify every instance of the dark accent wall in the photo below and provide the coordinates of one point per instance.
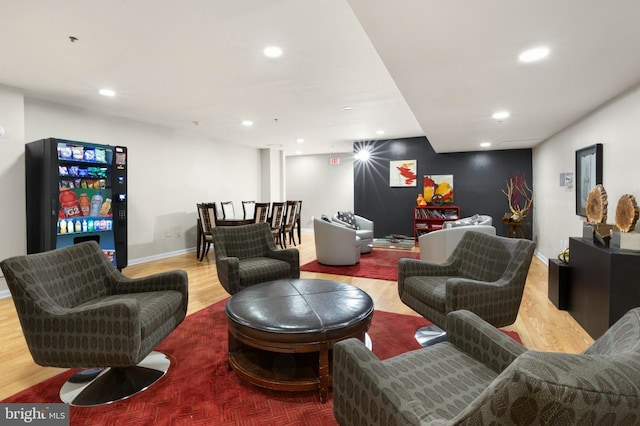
(478, 179)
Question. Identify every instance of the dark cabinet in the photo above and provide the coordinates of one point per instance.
(558, 291)
(604, 284)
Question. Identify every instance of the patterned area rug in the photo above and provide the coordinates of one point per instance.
(379, 264)
(199, 389)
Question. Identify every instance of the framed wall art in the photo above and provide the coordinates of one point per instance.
(403, 172)
(588, 174)
(438, 189)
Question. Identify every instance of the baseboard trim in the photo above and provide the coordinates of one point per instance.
(160, 256)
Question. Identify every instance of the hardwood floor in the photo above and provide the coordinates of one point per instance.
(540, 325)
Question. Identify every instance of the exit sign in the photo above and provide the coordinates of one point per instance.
(334, 160)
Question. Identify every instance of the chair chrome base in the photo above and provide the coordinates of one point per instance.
(430, 335)
(114, 384)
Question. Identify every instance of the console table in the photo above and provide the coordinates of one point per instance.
(515, 229)
(603, 284)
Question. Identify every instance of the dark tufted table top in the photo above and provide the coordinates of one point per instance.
(293, 316)
(300, 309)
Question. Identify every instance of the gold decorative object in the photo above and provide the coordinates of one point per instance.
(563, 256)
(627, 213)
(597, 204)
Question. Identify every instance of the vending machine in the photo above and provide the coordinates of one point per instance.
(76, 191)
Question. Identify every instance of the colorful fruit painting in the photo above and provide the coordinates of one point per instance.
(440, 185)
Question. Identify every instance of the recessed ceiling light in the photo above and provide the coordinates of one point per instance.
(247, 123)
(533, 55)
(485, 144)
(272, 51)
(347, 108)
(107, 92)
(379, 132)
(300, 140)
(501, 115)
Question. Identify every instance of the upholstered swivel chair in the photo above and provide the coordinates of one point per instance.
(480, 376)
(78, 311)
(362, 226)
(247, 255)
(484, 274)
(336, 245)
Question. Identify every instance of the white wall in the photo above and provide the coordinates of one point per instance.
(13, 237)
(616, 125)
(323, 188)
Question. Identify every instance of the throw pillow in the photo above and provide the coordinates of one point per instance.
(348, 218)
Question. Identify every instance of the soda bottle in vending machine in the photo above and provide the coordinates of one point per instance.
(70, 204)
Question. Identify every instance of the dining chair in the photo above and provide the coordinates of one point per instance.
(261, 212)
(297, 226)
(227, 209)
(248, 209)
(207, 216)
(289, 222)
(277, 220)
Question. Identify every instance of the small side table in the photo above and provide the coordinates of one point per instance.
(558, 291)
(515, 229)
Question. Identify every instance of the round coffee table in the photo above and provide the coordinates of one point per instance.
(281, 332)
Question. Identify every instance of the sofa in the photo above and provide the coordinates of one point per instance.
(437, 246)
(480, 376)
(336, 245)
(476, 219)
(362, 226)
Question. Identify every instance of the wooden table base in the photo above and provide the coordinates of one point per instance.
(291, 367)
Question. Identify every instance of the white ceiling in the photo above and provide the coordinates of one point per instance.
(408, 67)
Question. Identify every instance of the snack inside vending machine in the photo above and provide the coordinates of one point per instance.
(76, 191)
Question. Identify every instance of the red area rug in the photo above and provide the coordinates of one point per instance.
(200, 390)
(379, 264)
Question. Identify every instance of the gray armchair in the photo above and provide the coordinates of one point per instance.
(78, 311)
(336, 245)
(362, 226)
(484, 274)
(481, 376)
(247, 255)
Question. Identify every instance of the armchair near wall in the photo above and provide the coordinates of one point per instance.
(481, 376)
(247, 255)
(336, 245)
(362, 226)
(78, 311)
(485, 274)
